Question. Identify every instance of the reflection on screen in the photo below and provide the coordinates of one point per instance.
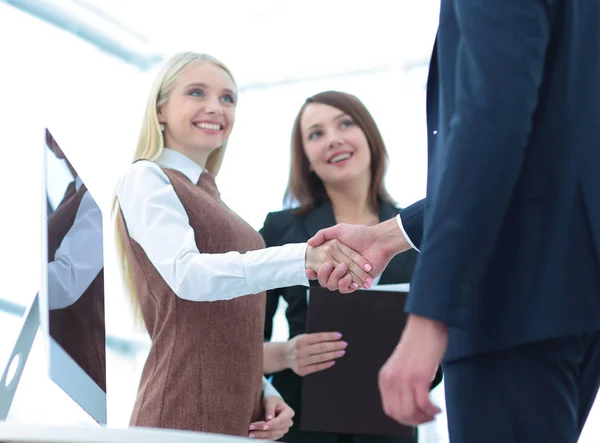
(75, 266)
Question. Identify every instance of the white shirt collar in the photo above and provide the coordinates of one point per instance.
(78, 183)
(172, 159)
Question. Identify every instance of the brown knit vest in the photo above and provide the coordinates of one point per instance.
(204, 369)
(79, 329)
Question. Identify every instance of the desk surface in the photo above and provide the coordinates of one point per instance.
(19, 433)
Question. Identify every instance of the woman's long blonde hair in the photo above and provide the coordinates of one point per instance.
(150, 145)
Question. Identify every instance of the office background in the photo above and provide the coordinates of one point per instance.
(84, 68)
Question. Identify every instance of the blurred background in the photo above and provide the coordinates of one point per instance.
(84, 68)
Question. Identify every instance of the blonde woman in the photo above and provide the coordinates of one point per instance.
(197, 271)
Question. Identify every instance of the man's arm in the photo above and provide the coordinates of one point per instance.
(500, 64)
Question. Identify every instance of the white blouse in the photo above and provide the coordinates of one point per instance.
(157, 221)
(79, 258)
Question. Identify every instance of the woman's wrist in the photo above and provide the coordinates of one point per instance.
(309, 261)
(274, 357)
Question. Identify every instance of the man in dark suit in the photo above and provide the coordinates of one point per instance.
(507, 285)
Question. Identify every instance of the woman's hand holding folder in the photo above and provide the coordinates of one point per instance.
(309, 353)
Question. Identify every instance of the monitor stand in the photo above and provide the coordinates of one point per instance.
(71, 382)
(18, 357)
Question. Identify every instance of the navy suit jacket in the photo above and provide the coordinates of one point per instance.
(509, 232)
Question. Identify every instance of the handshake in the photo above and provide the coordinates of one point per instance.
(349, 257)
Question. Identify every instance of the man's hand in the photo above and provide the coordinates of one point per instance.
(350, 263)
(405, 379)
(376, 244)
(278, 420)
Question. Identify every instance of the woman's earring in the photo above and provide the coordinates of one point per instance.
(162, 127)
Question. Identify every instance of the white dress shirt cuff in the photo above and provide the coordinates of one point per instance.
(412, 245)
(269, 390)
(275, 267)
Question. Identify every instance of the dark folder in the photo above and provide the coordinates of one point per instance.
(345, 398)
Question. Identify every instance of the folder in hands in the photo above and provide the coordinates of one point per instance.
(345, 398)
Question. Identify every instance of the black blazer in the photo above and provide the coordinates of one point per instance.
(510, 230)
(286, 227)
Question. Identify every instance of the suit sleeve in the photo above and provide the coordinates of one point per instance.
(406, 265)
(499, 68)
(269, 234)
(411, 223)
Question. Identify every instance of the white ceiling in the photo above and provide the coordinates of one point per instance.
(271, 41)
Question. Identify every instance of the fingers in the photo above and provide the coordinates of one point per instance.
(329, 259)
(278, 426)
(324, 357)
(324, 273)
(258, 425)
(283, 421)
(407, 402)
(335, 255)
(336, 252)
(320, 349)
(318, 337)
(424, 409)
(311, 369)
(322, 236)
(347, 285)
(357, 264)
(405, 378)
(310, 274)
(333, 282)
(344, 284)
(267, 435)
(410, 413)
(257, 431)
(273, 435)
(271, 404)
(317, 351)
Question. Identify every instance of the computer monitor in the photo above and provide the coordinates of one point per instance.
(69, 307)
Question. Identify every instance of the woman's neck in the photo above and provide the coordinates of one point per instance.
(199, 156)
(351, 204)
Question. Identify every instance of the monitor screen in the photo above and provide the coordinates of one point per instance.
(72, 295)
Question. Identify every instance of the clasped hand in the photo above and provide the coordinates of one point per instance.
(278, 420)
(349, 268)
(353, 256)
